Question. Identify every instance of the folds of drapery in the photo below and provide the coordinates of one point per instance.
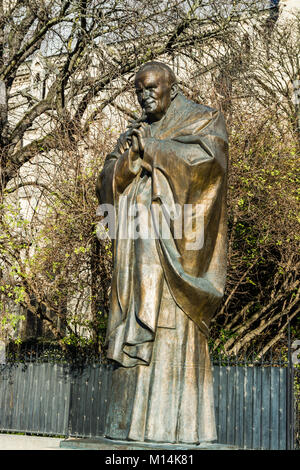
(186, 161)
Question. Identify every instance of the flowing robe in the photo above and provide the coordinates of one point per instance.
(166, 285)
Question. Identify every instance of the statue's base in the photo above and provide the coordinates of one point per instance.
(101, 443)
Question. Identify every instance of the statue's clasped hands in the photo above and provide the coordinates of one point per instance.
(134, 138)
(139, 134)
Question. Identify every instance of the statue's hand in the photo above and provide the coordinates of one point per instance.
(123, 142)
(141, 133)
(135, 144)
(134, 149)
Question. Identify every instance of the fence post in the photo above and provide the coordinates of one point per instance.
(290, 396)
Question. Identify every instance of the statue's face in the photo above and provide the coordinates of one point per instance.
(153, 92)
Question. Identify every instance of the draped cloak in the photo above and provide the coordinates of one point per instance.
(156, 278)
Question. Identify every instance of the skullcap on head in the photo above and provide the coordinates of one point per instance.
(160, 66)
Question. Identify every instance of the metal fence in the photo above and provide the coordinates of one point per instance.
(251, 406)
(256, 406)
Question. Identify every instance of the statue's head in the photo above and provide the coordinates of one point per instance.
(156, 86)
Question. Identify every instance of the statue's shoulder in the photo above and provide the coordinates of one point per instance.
(197, 109)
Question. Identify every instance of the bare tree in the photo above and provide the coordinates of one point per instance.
(89, 49)
(263, 287)
(81, 57)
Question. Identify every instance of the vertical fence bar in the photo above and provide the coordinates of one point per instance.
(29, 414)
(47, 410)
(283, 408)
(222, 404)
(274, 408)
(290, 396)
(231, 402)
(297, 408)
(256, 414)
(248, 416)
(227, 402)
(240, 371)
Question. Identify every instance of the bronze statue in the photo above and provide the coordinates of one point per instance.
(167, 287)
